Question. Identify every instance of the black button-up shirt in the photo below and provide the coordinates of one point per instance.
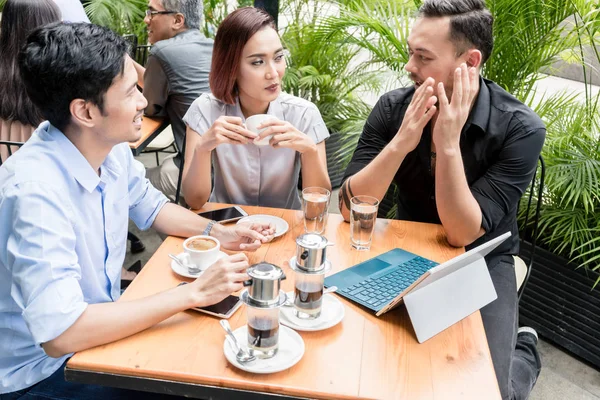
(500, 144)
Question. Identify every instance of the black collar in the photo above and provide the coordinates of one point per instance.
(480, 113)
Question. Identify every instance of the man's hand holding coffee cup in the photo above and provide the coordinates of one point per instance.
(228, 130)
(245, 237)
(219, 280)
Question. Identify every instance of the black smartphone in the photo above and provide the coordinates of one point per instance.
(224, 215)
(224, 309)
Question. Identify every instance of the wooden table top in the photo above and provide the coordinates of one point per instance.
(363, 357)
(149, 127)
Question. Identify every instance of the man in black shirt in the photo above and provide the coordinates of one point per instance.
(462, 151)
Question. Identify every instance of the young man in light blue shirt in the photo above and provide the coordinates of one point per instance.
(65, 199)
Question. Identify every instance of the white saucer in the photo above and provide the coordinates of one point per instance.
(332, 312)
(184, 272)
(281, 226)
(291, 350)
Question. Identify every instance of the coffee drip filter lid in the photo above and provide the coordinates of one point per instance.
(312, 241)
(265, 271)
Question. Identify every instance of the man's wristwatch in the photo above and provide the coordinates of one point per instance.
(209, 227)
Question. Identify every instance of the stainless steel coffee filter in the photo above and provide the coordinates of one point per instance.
(310, 251)
(264, 284)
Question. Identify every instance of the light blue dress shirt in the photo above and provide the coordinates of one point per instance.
(63, 236)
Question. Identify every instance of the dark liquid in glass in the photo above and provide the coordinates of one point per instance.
(261, 335)
(308, 297)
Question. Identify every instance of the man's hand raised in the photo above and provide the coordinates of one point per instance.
(452, 116)
(418, 114)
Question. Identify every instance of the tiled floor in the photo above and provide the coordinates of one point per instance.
(563, 377)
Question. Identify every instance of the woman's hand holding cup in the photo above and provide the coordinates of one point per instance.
(285, 135)
(228, 130)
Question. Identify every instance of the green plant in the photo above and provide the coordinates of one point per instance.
(570, 218)
(326, 73)
(124, 16)
(216, 10)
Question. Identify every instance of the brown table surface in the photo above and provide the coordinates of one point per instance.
(151, 127)
(363, 357)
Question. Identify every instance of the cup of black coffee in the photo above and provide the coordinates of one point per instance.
(308, 295)
(263, 331)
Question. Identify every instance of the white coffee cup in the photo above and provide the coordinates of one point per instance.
(252, 124)
(202, 258)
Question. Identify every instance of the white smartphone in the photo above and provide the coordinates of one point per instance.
(224, 215)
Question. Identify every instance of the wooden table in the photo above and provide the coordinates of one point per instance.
(363, 357)
(151, 127)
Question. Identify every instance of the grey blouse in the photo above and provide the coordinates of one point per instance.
(257, 175)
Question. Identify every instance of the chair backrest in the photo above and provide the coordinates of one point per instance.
(132, 40)
(11, 148)
(141, 54)
(531, 227)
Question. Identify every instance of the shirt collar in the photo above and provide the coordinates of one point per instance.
(111, 168)
(274, 109)
(480, 114)
(78, 166)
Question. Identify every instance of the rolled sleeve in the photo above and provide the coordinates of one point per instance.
(45, 269)
(156, 88)
(196, 116)
(372, 139)
(498, 191)
(316, 128)
(145, 201)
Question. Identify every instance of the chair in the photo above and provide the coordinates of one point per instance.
(523, 269)
(180, 176)
(11, 148)
(162, 143)
(141, 54)
(132, 41)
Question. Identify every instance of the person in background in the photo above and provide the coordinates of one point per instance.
(65, 201)
(175, 75)
(18, 115)
(72, 11)
(248, 66)
(462, 152)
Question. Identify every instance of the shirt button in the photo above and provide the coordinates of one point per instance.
(432, 197)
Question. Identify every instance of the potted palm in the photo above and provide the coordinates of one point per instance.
(326, 74)
(559, 300)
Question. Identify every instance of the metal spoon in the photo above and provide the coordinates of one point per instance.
(191, 270)
(242, 356)
(290, 300)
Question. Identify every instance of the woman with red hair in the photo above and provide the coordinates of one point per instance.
(248, 65)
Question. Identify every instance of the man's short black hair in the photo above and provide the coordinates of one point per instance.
(470, 23)
(63, 62)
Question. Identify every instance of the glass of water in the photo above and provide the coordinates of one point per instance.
(363, 215)
(315, 202)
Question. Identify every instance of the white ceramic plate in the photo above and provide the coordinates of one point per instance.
(281, 226)
(184, 272)
(332, 312)
(291, 350)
